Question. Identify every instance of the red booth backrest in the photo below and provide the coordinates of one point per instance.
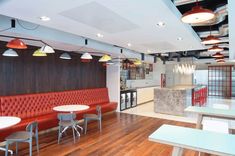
(69, 97)
(31, 105)
(96, 96)
(26, 106)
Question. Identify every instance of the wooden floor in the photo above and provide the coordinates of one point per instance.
(122, 135)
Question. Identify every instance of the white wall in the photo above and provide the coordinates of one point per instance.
(113, 83)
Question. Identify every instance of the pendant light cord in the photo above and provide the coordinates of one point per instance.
(24, 27)
(5, 29)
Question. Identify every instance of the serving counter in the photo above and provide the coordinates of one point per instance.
(173, 100)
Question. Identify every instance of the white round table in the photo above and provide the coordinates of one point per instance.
(8, 121)
(70, 108)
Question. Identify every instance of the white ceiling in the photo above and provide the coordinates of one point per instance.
(120, 21)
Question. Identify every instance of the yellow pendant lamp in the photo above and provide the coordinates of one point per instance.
(105, 58)
(137, 62)
(39, 53)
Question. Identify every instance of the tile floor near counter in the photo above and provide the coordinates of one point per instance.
(215, 102)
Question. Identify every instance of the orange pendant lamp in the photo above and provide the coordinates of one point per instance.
(197, 15)
(217, 55)
(221, 61)
(215, 48)
(16, 44)
(210, 39)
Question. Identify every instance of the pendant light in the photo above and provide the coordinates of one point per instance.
(211, 39)
(197, 15)
(215, 48)
(10, 53)
(65, 56)
(39, 53)
(47, 49)
(217, 55)
(16, 44)
(86, 57)
(105, 58)
(137, 62)
(219, 59)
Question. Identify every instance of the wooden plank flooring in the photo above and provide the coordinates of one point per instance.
(122, 135)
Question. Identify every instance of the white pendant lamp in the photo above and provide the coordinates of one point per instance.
(65, 56)
(38, 53)
(47, 49)
(10, 53)
(105, 58)
(86, 56)
(197, 15)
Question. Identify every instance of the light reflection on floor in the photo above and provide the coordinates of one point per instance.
(219, 125)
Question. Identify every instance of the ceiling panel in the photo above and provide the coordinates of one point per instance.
(120, 21)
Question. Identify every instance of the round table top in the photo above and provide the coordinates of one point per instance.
(70, 108)
(8, 121)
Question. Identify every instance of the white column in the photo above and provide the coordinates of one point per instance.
(113, 83)
(231, 19)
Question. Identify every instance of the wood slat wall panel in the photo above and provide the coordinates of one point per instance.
(27, 74)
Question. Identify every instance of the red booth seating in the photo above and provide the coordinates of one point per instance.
(39, 107)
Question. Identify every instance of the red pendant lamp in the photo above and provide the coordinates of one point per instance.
(217, 55)
(219, 58)
(210, 39)
(197, 15)
(215, 48)
(221, 61)
(16, 44)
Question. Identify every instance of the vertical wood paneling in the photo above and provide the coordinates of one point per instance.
(28, 74)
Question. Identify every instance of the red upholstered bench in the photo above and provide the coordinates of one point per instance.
(31, 107)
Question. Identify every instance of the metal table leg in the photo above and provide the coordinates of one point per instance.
(3, 149)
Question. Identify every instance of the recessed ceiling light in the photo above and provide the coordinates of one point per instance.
(129, 44)
(179, 38)
(45, 18)
(161, 24)
(99, 35)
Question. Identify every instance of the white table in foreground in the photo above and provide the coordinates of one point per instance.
(210, 112)
(71, 109)
(194, 139)
(8, 121)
